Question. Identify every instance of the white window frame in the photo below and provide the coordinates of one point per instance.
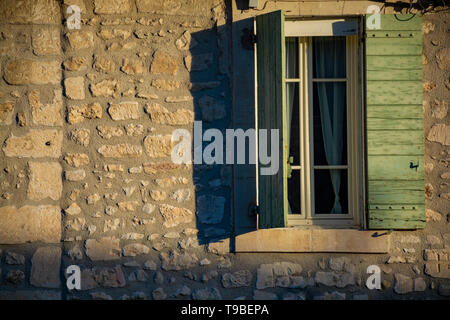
(305, 29)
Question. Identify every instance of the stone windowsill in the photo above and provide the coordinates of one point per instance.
(313, 240)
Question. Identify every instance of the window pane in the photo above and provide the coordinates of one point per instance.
(329, 57)
(294, 192)
(293, 129)
(292, 58)
(325, 184)
(330, 123)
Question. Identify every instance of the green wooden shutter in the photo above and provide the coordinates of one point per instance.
(272, 199)
(394, 124)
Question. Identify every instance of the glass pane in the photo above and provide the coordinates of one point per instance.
(329, 57)
(293, 130)
(330, 123)
(325, 184)
(294, 193)
(292, 58)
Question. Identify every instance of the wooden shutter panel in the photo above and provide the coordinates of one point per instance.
(394, 123)
(272, 198)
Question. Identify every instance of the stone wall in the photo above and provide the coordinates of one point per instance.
(86, 176)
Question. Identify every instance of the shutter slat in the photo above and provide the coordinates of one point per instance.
(394, 124)
(272, 199)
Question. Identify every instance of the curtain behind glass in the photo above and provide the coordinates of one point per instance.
(329, 62)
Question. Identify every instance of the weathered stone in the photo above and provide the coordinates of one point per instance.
(133, 66)
(438, 270)
(75, 64)
(112, 33)
(102, 64)
(443, 59)
(403, 284)
(181, 195)
(135, 249)
(13, 258)
(185, 41)
(134, 130)
(80, 136)
(178, 99)
(177, 261)
(123, 150)
(198, 62)
(211, 108)
(335, 279)
(124, 110)
(34, 144)
(46, 114)
(158, 195)
(106, 248)
(271, 275)
(127, 205)
(77, 114)
(210, 209)
(73, 210)
(15, 276)
(45, 180)
(112, 6)
(174, 216)
(31, 12)
(45, 267)
(93, 198)
(26, 71)
(166, 85)
(161, 115)
(76, 159)
(74, 88)
(439, 109)
(109, 132)
(427, 86)
(30, 224)
(163, 63)
(105, 88)
(153, 168)
(420, 284)
(46, 41)
(6, 112)
(79, 40)
(439, 133)
(428, 27)
(237, 279)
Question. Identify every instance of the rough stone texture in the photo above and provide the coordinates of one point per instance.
(124, 110)
(34, 144)
(79, 40)
(164, 63)
(106, 248)
(123, 150)
(440, 133)
(45, 180)
(76, 159)
(403, 284)
(112, 6)
(174, 216)
(237, 279)
(46, 41)
(158, 146)
(26, 71)
(78, 113)
(45, 267)
(74, 88)
(46, 114)
(159, 114)
(30, 224)
(6, 112)
(105, 88)
(31, 12)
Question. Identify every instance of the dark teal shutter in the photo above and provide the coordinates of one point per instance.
(272, 196)
(394, 123)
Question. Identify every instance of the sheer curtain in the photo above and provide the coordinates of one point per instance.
(291, 72)
(329, 54)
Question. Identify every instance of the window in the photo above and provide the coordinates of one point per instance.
(349, 110)
(322, 122)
